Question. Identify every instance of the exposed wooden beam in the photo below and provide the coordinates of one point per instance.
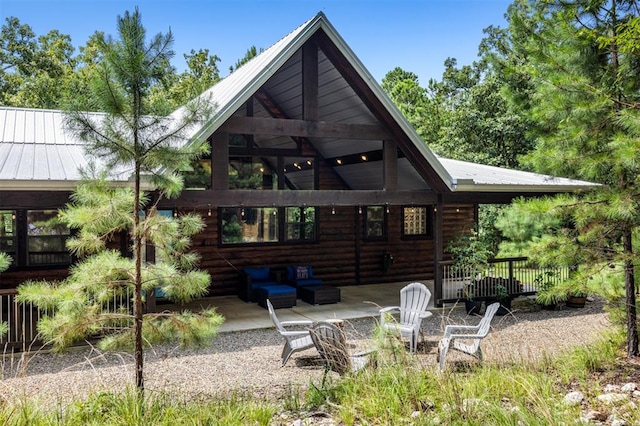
(303, 128)
(390, 165)
(220, 160)
(235, 198)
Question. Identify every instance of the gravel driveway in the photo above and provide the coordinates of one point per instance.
(248, 362)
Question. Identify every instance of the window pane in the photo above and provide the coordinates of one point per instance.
(249, 225)
(417, 221)
(374, 222)
(8, 232)
(253, 173)
(300, 223)
(47, 237)
(198, 176)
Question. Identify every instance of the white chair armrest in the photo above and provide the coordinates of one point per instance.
(389, 309)
(450, 329)
(294, 333)
(301, 323)
(426, 314)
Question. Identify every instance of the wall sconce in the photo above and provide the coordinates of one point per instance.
(13, 216)
(175, 213)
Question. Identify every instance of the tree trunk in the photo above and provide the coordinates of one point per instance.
(137, 306)
(630, 293)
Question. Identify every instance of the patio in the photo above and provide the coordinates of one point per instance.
(361, 301)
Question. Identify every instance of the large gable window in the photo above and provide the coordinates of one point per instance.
(417, 222)
(46, 238)
(253, 173)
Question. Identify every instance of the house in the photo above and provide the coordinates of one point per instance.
(310, 163)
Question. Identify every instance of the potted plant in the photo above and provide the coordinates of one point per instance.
(500, 294)
(548, 296)
(470, 253)
(472, 305)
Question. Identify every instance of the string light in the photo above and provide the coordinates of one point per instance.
(333, 209)
(175, 213)
(387, 207)
(360, 209)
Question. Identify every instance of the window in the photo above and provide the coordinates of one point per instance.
(249, 225)
(374, 223)
(417, 221)
(300, 224)
(46, 238)
(253, 173)
(8, 243)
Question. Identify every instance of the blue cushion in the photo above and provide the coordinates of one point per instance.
(259, 284)
(258, 274)
(272, 290)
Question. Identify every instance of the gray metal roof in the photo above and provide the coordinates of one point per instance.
(36, 152)
(478, 177)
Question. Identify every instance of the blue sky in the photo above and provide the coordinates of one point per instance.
(416, 35)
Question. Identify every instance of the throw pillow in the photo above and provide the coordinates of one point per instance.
(302, 273)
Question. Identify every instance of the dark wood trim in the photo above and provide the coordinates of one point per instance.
(220, 160)
(438, 247)
(303, 128)
(236, 198)
(35, 200)
(390, 165)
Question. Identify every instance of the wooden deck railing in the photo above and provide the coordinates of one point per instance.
(22, 319)
(517, 274)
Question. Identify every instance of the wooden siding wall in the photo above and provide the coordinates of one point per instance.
(335, 256)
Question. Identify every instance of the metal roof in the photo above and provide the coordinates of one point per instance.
(37, 153)
(478, 177)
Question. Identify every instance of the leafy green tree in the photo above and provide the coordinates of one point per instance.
(585, 107)
(134, 134)
(252, 52)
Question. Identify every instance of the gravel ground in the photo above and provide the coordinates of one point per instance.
(248, 362)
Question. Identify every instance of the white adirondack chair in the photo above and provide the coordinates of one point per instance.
(295, 340)
(331, 343)
(414, 300)
(453, 334)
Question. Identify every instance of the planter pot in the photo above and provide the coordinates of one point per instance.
(551, 307)
(576, 301)
(505, 305)
(473, 307)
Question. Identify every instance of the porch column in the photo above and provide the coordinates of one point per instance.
(438, 248)
(390, 165)
(220, 160)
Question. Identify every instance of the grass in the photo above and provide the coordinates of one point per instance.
(398, 391)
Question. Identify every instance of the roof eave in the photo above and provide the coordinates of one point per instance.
(524, 189)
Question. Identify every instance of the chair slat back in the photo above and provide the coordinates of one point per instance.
(485, 324)
(274, 318)
(414, 300)
(332, 346)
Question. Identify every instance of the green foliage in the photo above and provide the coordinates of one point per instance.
(126, 409)
(471, 251)
(94, 299)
